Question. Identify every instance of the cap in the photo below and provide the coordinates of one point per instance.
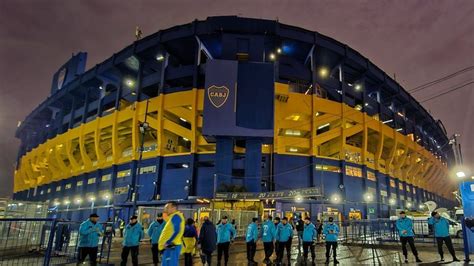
(224, 217)
(434, 213)
(93, 215)
(402, 212)
(134, 217)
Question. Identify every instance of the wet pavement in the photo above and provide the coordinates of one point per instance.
(347, 255)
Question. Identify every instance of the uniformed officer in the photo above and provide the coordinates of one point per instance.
(225, 234)
(309, 236)
(268, 236)
(331, 232)
(285, 237)
(154, 231)
(89, 233)
(441, 233)
(405, 229)
(131, 241)
(251, 239)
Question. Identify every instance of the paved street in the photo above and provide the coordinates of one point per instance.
(347, 255)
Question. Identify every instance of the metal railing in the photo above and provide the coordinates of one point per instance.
(25, 241)
(380, 231)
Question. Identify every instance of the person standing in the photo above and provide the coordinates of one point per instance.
(441, 233)
(207, 241)
(309, 236)
(189, 242)
(268, 236)
(170, 241)
(131, 241)
(319, 230)
(89, 233)
(331, 231)
(251, 239)
(121, 227)
(404, 226)
(225, 234)
(299, 229)
(154, 231)
(285, 237)
(276, 222)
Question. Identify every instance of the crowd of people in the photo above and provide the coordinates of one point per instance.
(175, 236)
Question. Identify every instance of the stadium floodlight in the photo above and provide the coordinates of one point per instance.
(323, 72)
(461, 174)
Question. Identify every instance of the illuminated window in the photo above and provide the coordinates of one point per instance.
(408, 188)
(414, 190)
(91, 181)
(120, 190)
(328, 168)
(371, 176)
(400, 186)
(353, 171)
(148, 169)
(123, 173)
(68, 186)
(58, 188)
(106, 177)
(392, 183)
(41, 192)
(49, 190)
(80, 183)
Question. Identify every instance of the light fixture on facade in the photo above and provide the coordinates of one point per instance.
(323, 72)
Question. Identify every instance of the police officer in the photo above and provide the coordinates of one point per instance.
(170, 241)
(405, 229)
(268, 236)
(225, 234)
(285, 236)
(89, 233)
(121, 227)
(276, 222)
(309, 236)
(154, 231)
(441, 233)
(251, 239)
(131, 241)
(331, 231)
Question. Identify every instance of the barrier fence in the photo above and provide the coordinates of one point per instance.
(380, 231)
(46, 242)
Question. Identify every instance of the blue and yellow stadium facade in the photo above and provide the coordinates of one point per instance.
(230, 103)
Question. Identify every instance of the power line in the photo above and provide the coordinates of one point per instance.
(434, 82)
(447, 92)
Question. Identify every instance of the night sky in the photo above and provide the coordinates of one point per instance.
(419, 41)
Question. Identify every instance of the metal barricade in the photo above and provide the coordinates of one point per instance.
(25, 241)
(381, 231)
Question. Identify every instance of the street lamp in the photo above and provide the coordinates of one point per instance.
(368, 197)
(335, 198)
(392, 201)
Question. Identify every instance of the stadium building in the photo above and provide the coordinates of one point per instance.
(232, 110)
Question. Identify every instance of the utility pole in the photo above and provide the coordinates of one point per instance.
(143, 129)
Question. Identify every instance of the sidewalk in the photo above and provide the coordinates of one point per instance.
(347, 255)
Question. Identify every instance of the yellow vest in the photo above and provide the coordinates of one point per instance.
(173, 231)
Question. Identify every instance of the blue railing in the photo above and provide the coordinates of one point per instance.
(26, 241)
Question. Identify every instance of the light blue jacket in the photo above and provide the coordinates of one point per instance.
(331, 237)
(277, 238)
(225, 233)
(285, 232)
(440, 226)
(154, 231)
(268, 231)
(309, 233)
(252, 233)
(132, 235)
(405, 224)
(89, 234)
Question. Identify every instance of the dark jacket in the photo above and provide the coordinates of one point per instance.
(208, 237)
